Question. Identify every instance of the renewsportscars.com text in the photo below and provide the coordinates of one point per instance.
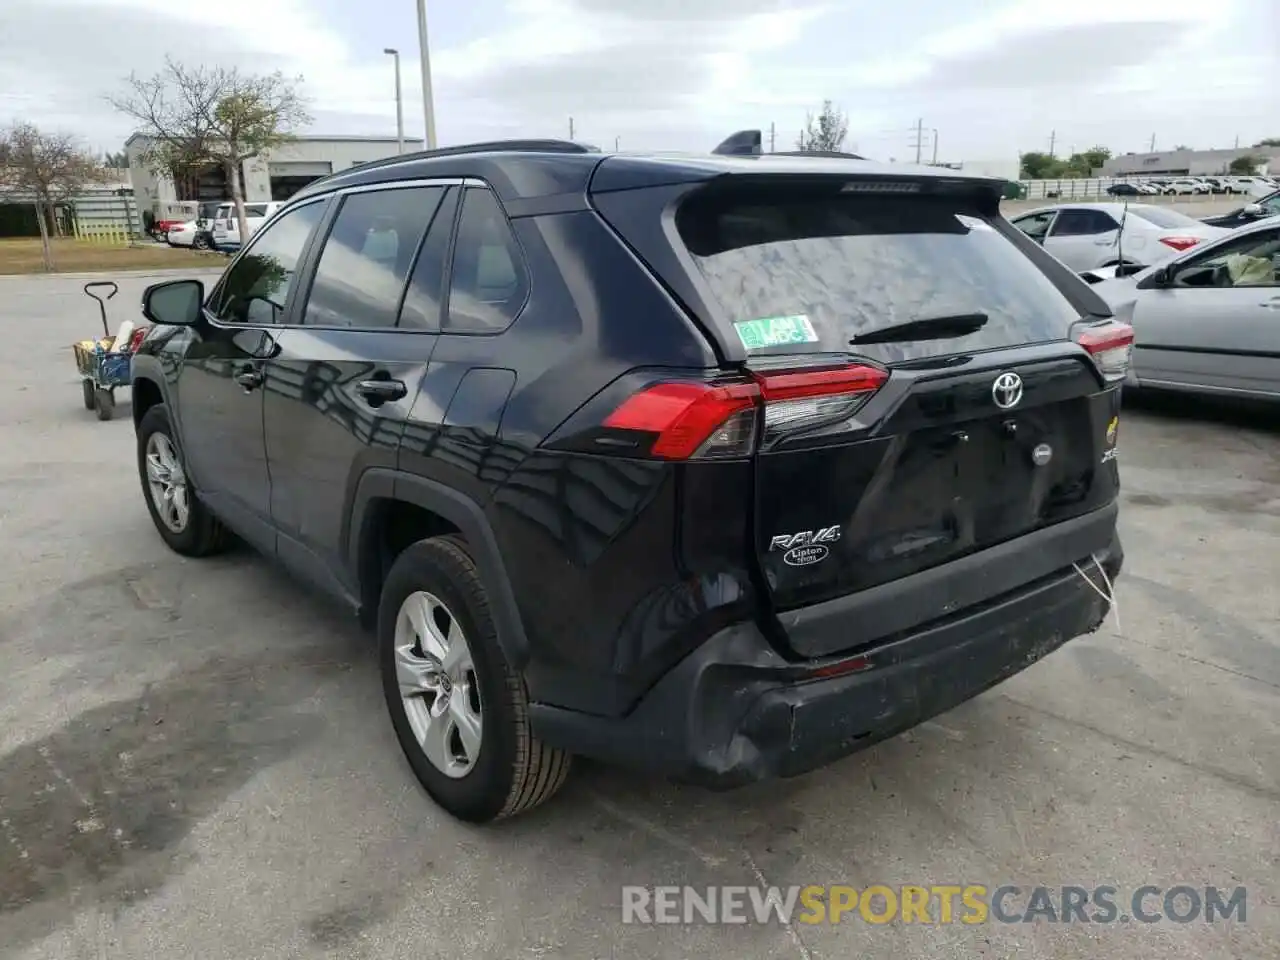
(937, 903)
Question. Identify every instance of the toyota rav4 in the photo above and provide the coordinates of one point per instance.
(719, 466)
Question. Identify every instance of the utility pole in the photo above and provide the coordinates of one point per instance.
(399, 102)
(571, 128)
(935, 146)
(617, 144)
(1153, 144)
(919, 137)
(773, 133)
(1053, 139)
(428, 104)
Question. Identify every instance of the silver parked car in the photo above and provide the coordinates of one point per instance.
(1208, 320)
(1085, 236)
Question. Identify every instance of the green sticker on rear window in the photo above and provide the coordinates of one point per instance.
(775, 332)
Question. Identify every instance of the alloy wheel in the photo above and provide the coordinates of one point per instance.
(167, 482)
(438, 686)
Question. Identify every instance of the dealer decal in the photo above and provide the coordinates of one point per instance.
(775, 331)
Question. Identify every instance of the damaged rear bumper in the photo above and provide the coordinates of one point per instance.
(734, 711)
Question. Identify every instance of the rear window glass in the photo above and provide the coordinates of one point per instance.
(1164, 219)
(831, 266)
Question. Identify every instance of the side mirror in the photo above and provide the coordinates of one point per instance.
(1253, 210)
(175, 303)
(1160, 277)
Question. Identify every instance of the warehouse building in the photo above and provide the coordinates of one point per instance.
(274, 176)
(1195, 163)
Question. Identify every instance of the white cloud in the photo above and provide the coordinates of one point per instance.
(684, 73)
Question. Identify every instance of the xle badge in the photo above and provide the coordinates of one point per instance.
(806, 547)
(1113, 429)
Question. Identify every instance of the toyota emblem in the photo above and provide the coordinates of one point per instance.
(1007, 390)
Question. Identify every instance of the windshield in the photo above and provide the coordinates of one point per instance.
(1164, 219)
(822, 268)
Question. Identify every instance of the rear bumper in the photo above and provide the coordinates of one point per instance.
(734, 711)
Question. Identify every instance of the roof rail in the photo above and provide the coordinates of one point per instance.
(744, 143)
(489, 146)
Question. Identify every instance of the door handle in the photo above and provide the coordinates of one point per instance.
(1272, 304)
(249, 378)
(380, 391)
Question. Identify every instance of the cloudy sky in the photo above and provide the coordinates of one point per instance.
(992, 77)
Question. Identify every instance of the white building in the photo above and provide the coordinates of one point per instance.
(1196, 163)
(274, 176)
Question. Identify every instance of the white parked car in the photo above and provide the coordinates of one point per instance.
(1187, 185)
(1085, 236)
(190, 234)
(1207, 320)
(226, 226)
(1253, 186)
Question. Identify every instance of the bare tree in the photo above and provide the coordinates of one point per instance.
(51, 167)
(826, 131)
(195, 116)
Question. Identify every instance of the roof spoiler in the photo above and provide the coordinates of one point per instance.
(744, 143)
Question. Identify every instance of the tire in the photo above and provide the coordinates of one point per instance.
(201, 242)
(511, 771)
(86, 387)
(202, 534)
(104, 404)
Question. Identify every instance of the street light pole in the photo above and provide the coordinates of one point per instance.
(399, 102)
(428, 106)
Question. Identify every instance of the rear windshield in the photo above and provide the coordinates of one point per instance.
(803, 271)
(1164, 219)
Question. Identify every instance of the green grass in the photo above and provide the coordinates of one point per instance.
(23, 256)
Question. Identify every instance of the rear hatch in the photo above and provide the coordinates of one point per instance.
(925, 391)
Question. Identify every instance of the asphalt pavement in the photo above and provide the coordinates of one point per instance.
(195, 760)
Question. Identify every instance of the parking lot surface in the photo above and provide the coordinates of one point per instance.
(195, 759)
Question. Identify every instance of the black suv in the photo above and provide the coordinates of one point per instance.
(719, 466)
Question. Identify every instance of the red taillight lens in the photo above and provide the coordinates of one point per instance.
(1180, 243)
(1111, 346)
(692, 418)
(699, 420)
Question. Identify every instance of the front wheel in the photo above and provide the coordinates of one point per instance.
(459, 711)
(184, 523)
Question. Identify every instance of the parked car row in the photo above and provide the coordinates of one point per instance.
(1191, 186)
(1085, 236)
(1202, 297)
(218, 228)
(1206, 320)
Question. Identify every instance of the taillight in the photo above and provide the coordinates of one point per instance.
(1180, 243)
(699, 421)
(692, 419)
(806, 398)
(1111, 346)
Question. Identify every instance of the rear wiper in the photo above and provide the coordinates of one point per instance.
(928, 328)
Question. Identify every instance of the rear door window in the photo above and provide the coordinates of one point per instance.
(1082, 223)
(367, 256)
(829, 266)
(487, 280)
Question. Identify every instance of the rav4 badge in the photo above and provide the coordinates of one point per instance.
(806, 547)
